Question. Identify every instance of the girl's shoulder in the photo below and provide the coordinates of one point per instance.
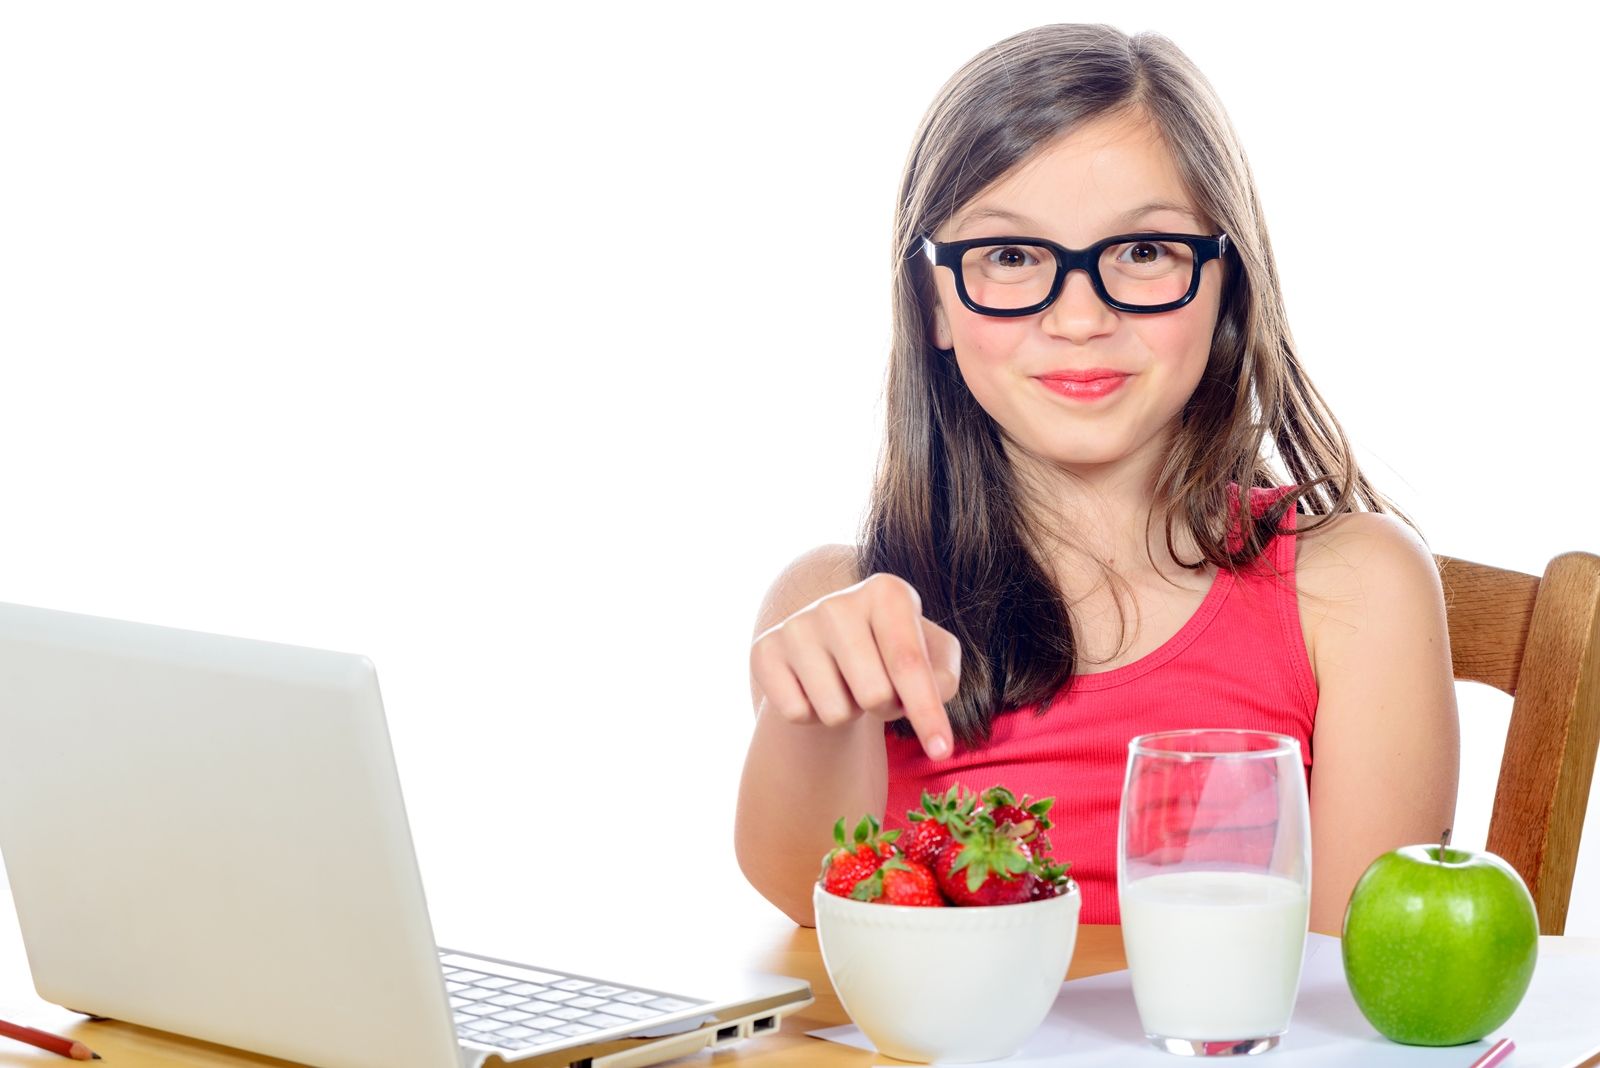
(1357, 567)
(811, 575)
(1341, 547)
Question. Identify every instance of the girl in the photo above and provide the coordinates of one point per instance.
(1090, 359)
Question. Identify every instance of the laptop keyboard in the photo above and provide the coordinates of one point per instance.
(518, 1008)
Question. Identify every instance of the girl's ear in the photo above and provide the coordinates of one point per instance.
(941, 328)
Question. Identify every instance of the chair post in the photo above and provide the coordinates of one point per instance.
(1556, 713)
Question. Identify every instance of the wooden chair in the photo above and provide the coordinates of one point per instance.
(1537, 639)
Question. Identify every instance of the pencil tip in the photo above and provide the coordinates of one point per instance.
(96, 1057)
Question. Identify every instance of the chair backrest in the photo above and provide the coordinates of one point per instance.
(1537, 639)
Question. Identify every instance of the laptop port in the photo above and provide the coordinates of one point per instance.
(725, 1034)
(766, 1023)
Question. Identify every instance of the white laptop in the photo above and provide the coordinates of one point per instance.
(205, 835)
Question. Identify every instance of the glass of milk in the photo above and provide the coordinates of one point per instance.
(1214, 882)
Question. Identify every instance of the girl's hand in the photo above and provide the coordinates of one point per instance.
(865, 649)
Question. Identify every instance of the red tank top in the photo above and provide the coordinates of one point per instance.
(1239, 662)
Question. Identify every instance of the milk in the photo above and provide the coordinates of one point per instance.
(1214, 956)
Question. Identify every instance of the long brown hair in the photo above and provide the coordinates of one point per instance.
(948, 511)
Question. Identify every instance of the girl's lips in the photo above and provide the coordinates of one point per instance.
(1083, 387)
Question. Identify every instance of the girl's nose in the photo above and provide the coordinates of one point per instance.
(1077, 312)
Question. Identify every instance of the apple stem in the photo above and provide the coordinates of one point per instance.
(1444, 843)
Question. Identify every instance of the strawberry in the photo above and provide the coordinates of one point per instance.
(900, 882)
(984, 865)
(930, 826)
(852, 861)
(923, 841)
(961, 848)
(1026, 817)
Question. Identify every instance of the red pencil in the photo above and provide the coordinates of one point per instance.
(46, 1041)
(1497, 1053)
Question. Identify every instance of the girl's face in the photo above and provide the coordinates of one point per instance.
(1099, 181)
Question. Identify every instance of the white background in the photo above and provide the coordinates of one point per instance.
(520, 351)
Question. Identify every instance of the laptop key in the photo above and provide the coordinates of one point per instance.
(573, 984)
(600, 1019)
(569, 1013)
(514, 1016)
(478, 1008)
(574, 1029)
(556, 995)
(543, 1023)
(505, 1000)
(669, 1004)
(482, 1025)
(464, 976)
(527, 989)
(634, 997)
(632, 1012)
(586, 1002)
(516, 1032)
(497, 982)
(604, 991)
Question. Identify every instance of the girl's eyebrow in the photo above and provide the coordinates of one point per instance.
(1127, 217)
(1155, 205)
(994, 213)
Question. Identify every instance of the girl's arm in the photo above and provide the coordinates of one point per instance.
(1386, 744)
(799, 779)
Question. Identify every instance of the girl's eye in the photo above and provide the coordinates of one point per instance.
(1140, 253)
(1011, 256)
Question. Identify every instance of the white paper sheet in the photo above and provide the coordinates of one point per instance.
(1094, 1022)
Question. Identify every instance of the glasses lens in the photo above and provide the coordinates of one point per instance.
(1008, 276)
(1147, 273)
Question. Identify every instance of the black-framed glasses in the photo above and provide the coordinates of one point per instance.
(1012, 276)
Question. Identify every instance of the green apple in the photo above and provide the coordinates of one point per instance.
(1439, 944)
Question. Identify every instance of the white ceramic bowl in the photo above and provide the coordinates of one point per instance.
(947, 984)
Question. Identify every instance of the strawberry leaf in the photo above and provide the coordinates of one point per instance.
(995, 796)
(870, 888)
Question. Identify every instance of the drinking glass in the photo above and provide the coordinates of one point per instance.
(1214, 882)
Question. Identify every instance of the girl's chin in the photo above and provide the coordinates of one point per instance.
(1088, 456)
(1094, 445)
